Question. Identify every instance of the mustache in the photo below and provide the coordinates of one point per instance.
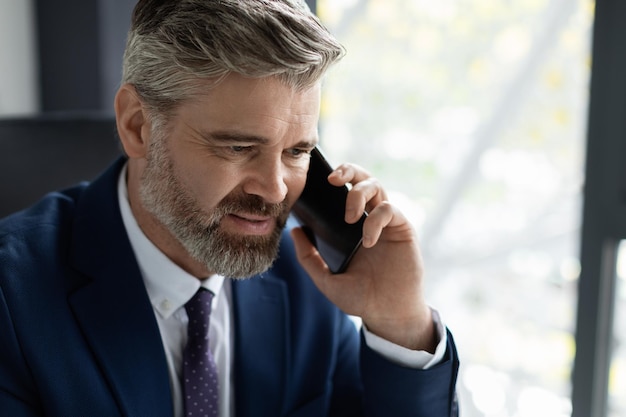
(250, 204)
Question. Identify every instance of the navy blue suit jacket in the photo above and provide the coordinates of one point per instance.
(78, 336)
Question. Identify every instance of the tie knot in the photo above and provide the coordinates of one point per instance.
(199, 312)
(200, 303)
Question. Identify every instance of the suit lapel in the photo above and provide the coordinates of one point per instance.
(112, 306)
(261, 345)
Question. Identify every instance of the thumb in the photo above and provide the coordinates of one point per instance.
(307, 254)
(339, 289)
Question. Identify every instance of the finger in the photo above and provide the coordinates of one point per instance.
(365, 195)
(379, 218)
(307, 254)
(387, 219)
(348, 173)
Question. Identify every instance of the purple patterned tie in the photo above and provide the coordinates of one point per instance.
(199, 370)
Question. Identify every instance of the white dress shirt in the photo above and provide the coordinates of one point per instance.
(170, 287)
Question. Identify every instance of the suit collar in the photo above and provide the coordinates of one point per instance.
(261, 344)
(112, 306)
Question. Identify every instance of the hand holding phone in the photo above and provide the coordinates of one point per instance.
(381, 287)
(321, 211)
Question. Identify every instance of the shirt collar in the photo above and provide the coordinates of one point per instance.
(169, 287)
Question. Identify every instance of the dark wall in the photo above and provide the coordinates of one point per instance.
(81, 43)
(52, 152)
(80, 52)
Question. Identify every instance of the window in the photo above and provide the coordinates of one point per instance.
(473, 114)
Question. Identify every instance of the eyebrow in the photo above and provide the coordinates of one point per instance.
(234, 137)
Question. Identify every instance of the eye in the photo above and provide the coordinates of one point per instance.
(298, 152)
(238, 149)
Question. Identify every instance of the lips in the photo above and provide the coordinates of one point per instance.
(249, 224)
(252, 217)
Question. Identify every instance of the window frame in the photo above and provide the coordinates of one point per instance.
(603, 223)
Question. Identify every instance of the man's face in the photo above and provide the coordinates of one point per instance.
(224, 173)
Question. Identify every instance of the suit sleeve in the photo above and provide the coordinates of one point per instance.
(347, 397)
(394, 390)
(15, 380)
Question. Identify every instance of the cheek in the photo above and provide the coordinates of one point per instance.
(206, 184)
(295, 184)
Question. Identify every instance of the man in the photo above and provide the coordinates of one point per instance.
(217, 116)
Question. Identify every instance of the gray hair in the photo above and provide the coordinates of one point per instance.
(175, 46)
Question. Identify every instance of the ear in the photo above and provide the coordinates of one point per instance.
(133, 125)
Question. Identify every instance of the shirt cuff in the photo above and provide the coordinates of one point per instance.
(416, 359)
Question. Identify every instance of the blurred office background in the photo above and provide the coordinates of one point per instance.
(473, 112)
(476, 116)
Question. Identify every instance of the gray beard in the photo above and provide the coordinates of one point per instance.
(199, 232)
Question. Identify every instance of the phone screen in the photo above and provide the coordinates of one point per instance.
(321, 210)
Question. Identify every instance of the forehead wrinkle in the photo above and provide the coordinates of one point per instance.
(286, 123)
(292, 115)
(273, 115)
(292, 119)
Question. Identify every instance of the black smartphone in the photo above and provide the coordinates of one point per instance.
(321, 211)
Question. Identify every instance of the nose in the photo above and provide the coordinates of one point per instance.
(267, 180)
